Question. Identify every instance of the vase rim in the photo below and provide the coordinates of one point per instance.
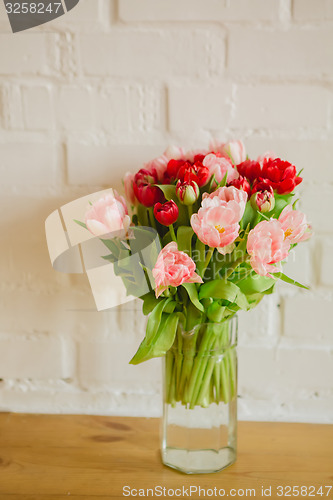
(232, 334)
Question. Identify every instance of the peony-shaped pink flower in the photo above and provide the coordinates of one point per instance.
(294, 225)
(217, 222)
(219, 166)
(107, 215)
(235, 198)
(267, 246)
(173, 268)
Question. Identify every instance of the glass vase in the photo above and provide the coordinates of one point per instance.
(199, 426)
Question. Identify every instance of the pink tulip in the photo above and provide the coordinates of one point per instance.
(294, 225)
(174, 153)
(159, 164)
(129, 191)
(107, 215)
(219, 166)
(217, 222)
(269, 155)
(236, 151)
(267, 246)
(173, 268)
(190, 155)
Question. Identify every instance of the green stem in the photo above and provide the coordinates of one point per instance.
(233, 371)
(151, 217)
(235, 265)
(179, 363)
(216, 375)
(200, 249)
(172, 232)
(204, 387)
(225, 379)
(190, 211)
(209, 255)
(199, 368)
(168, 375)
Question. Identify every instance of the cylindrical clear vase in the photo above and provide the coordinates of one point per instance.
(199, 426)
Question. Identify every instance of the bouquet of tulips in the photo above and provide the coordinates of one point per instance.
(225, 224)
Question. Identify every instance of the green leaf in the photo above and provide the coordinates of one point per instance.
(255, 284)
(285, 278)
(80, 223)
(248, 217)
(193, 316)
(223, 181)
(161, 342)
(169, 191)
(241, 301)
(219, 289)
(165, 336)
(183, 218)
(215, 312)
(110, 258)
(149, 302)
(155, 318)
(193, 294)
(210, 185)
(184, 238)
(113, 246)
(281, 201)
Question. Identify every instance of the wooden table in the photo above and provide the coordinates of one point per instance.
(49, 457)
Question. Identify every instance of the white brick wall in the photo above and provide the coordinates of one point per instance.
(280, 53)
(289, 108)
(305, 10)
(100, 91)
(195, 10)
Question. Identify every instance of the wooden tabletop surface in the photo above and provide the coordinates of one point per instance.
(50, 457)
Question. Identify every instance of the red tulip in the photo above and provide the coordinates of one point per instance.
(144, 189)
(249, 169)
(173, 168)
(166, 213)
(241, 183)
(281, 175)
(194, 173)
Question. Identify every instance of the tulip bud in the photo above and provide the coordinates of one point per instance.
(166, 213)
(262, 198)
(187, 192)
